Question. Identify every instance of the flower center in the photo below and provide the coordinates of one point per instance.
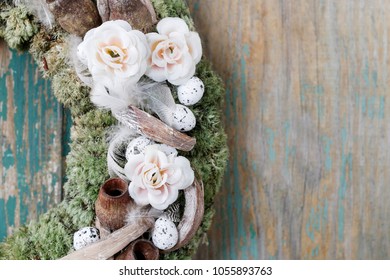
(113, 56)
(153, 176)
(112, 53)
(168, 51)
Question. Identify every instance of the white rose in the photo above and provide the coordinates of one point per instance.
(114, 53)
(175, 51)
(157, 178)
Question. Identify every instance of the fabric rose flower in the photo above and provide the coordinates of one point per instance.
(157, 178)
(114, 53)
(175, 51)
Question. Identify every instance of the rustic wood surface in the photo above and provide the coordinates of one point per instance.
(31, 142)
(309, 131)
(305, 113)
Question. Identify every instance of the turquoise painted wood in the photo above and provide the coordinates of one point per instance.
(307, 116)
(33, 142)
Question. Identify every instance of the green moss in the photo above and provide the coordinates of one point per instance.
(173, 8)
(51, 236)
(18, 27)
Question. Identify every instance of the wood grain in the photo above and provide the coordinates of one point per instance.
(154, 128)
(31, 161)
(307, 118)
(113, 243)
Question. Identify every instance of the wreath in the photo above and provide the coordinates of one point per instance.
(148, 149)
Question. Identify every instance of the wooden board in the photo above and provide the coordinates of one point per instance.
(307, 117)
(32, 142)
(307, 114)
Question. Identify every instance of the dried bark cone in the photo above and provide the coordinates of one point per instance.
(112, 244)
(139, 13)
(155, 129)
(192, 216)
(75, 16)
(112, 204)
(140, 249)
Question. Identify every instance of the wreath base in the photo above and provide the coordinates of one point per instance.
(51, 236)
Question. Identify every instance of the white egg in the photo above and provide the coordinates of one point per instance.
(165, 234)
(84, 237)
(183, 118)
(137, 146)
(191, 92)
(168, 150)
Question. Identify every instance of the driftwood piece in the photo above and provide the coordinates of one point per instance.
(192, 216)
(75, 16)
(139, 13)
(154, 129)
(112, 244)
(104, 232)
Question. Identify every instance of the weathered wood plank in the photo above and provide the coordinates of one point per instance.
(307, 118)
(31, 147)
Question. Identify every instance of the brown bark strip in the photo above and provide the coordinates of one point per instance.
(155, 129)
(192, 216)
(113, 243)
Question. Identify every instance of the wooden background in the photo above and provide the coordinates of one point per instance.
(33, 141)
(308, 124)
(307, 114)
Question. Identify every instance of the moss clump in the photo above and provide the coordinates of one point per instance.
(51, 236)
(18, 27)
(173, 8)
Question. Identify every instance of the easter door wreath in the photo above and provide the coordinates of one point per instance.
(148, 150)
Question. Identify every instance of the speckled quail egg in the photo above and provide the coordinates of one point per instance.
(191, 92)
(168, 150)
(84, 237)
(183, 118)
(165, 234)
(137, 146)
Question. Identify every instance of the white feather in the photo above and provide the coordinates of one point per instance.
(118, 137)
(103, 99)
(155, 97)
(136, 212)
(81, 69)
(40, 9)
(159, 100)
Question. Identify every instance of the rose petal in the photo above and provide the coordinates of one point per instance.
(195, 46)
(139, 194)
(122, 23)
(188, 175)
(153, 155)
(131, 166)
(170, 24)
(165, 198)
(156, 73)
(175, 175)
(157, 196)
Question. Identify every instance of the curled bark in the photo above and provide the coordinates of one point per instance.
(192, 216)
